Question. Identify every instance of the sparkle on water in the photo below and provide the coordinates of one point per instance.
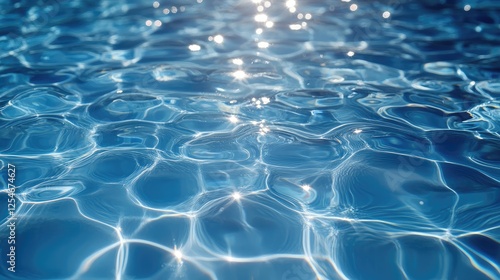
(254, 139)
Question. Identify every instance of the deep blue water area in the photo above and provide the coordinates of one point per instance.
(250, 139)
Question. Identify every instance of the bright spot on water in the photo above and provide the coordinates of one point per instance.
(194, 48)
(261, 18)
(158, 23)
(260, 8)
(421, 202)
(300, 16)
(269, 24)
(467, 8)
(353, 7)
(178, 254)
(237, 61)
(236, 196)
(156, 4)
(239, 74)
(308, 16)
(265, 100)
(166, 11)
(258, 31)
(264, 130)
(478, 28)
(290, 3)
(386, 14)
(149, 22)
(233, 119)
(295, 26)
(292, 10)
(350, 53)
(263, 45)
(256, 1)
(218, 39)
(267, 4)
(306, 187)
(358, 131)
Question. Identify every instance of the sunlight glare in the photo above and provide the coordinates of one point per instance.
(239, 74)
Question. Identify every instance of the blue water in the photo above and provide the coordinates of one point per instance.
(250, 139)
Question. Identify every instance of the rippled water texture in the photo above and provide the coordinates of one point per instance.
(251, 139)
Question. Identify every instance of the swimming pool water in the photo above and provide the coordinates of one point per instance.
(250, 139)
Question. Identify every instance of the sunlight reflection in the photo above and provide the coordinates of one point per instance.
(263, 45)
(306, 187)
(194, 47)
(260, 18)
(178, 255)
(263, 129)
(353, 7)
(239, 74)
(237, 61)
(233, 119)
(218, 39)
(236, 196)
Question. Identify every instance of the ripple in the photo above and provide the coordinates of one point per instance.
(215, 149)
(10, 45)
(431, 85)
(51, 191)
(52, 58)
(267, 224)
(46, 79)
(118, 165)
(487, 153)
(425, 117)
(440, 68)
(122, 107)
(167, 185)
(489, 88)
(127, 134)
(311, 99)
(29, 137)
(43, 100)
(309, 154)
(81, 239)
